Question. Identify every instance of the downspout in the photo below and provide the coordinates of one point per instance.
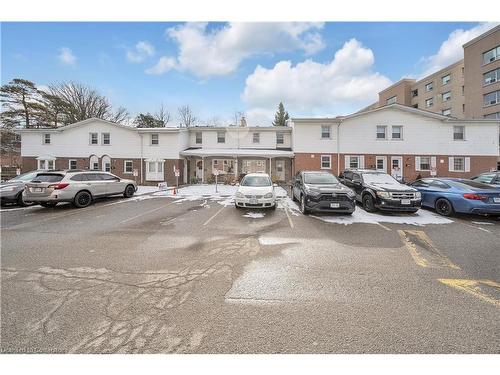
(338, 147)
(142, 160)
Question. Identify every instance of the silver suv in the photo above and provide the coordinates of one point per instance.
(76, 186)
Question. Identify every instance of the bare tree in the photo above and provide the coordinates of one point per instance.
(237, 117)
(162, 115)
(186, 116)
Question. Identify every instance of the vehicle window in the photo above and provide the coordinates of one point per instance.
(474, 184)
(108, 177)
(46, 177)
(348, 175)
(440, 185)
(485, 178)
(379, 178)
(25, 177)
(320, 178)
(93, 177)
(420, 183)
(79, 177)
(356, 177)
(256, 181)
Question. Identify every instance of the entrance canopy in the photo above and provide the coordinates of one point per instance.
(237, 152)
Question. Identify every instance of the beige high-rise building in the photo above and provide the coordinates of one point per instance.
(469, 88)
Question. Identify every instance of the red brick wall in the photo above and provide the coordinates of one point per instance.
(312, 161)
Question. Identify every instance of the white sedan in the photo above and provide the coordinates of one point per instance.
(256, 190)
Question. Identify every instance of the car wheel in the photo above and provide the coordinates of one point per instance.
(82, 199)
(48, 204)
(444, 207)
(303, 207)
(21, 202)
(238, 207)
(274, 206)
(129, 191)
(368, 203)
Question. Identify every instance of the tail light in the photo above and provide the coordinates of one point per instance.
(59, 186)
(475, 197)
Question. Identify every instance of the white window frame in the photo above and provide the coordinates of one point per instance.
(103, 138)
(448, 96)
(44, 139)
(446, 112)
(384, 161)
(93, 161)
(385, 132)
(323, 132)
(96, 138)
(391, 100)
(219, 133)
(200, 139)
(69, 163)
(128, 162)
(154, 136)
(490, 103)
(427, 101)
(360, 161)
(466, 164)
(496, 55)
(495, 79)
(431, 85)
(255, 137)
(223, 165)
(455, 127)
(280, 138)
(328, 159)
(418, 163)
(400, 133)
(48, 164)
(448, 80)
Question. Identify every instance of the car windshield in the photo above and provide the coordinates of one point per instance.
(25, 177)
(46, 177)
(379, 178)
(256, 181)
(320, 178)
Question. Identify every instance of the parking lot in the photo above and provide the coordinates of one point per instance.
(193, 274)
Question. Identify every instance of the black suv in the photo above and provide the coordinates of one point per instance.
(378, 190)
(322, 192)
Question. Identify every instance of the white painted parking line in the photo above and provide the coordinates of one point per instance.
(218, 212)
(475, 227)
(383, 226)
(289, 217)
(146, 213)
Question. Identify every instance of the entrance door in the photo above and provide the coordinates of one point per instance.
(154, 171)
(280, 170)
(199, 169)
(397, 167)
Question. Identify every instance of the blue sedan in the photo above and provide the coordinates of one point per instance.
(450, 195)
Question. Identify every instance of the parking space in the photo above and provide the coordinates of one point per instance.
(192, 273)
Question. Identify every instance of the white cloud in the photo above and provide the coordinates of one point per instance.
(66, 56)
(451, 49)
(205, 52)
(141, 51)
(162, 66)
(343, 85)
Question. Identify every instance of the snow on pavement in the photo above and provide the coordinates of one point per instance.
(254, 215)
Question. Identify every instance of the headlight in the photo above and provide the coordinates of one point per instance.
(268, 195)
(314, 193)
(351, 194)
(383, 194)
(239, 195)
(8, 188)
(418, 195)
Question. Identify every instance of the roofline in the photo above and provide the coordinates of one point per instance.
(482, 36)
(440, 71)
(410, 80)
(241, 128)
(333, 120)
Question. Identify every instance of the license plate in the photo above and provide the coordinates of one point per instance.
(37, 190)
(334, 205)
(496, 200)
(405, 201)
(253, 201)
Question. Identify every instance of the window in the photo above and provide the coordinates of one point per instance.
(128, 166)
(280, 138)
(106, 163)
(429, 102)
(199, 138)
(354, 162)
(391, 100)
(414, 93)
(155, 140)
(224, 166)
(463, 71)
(381, 132)
(152, 167)
(463, 90)
(326, 161)
(93, 139)
(446, 112)
(491, 55)
(493, 116)
(94, 163)
(221, 137)
(446, 96)
(458, 133)
(425, 163)
(72, 164)
(106, 139)
(380, 163)
(79, 177)
(429, 86)
(397, 132)
(46, 139)
(46, 164)
(256, 138)
(107, 177)
(492, 98)
(446, 79)
(326, 131)
(463, 108)
(491, 77)
(458, 164)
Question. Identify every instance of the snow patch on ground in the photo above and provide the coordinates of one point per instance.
(146, 189)
(273, 241)
(420, 218)
(254, 215)
(290, 205)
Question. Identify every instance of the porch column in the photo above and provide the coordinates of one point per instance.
(271, 168)
(236, 173)
(202, 169)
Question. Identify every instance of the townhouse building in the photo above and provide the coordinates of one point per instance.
(403, 141)
(152, 155)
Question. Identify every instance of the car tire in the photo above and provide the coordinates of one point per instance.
(48, 204)
(237, 207)
(82, 199)
(303, 207)
(444, 207)
(21, 202)
(129, 191)
(368, 203)
(274, 206)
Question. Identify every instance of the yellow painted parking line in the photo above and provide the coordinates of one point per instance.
(146, 213)
(212, 217)
(473, 287)
(426, 244)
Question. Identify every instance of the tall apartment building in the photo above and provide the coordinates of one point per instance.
(469, 88)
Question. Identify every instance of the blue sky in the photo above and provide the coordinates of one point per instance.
(218, 68)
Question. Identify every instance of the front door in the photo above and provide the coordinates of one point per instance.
(199, 169)
(397, 167)
(280, 170)
(154, 171)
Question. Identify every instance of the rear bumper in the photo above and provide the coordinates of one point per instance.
(486, 210)
(55, 196)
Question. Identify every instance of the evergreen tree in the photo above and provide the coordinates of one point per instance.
(281, 116)
(146, 120)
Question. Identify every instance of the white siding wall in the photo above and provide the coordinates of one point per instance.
(307, 138)
(238, 139)
(168, 147)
